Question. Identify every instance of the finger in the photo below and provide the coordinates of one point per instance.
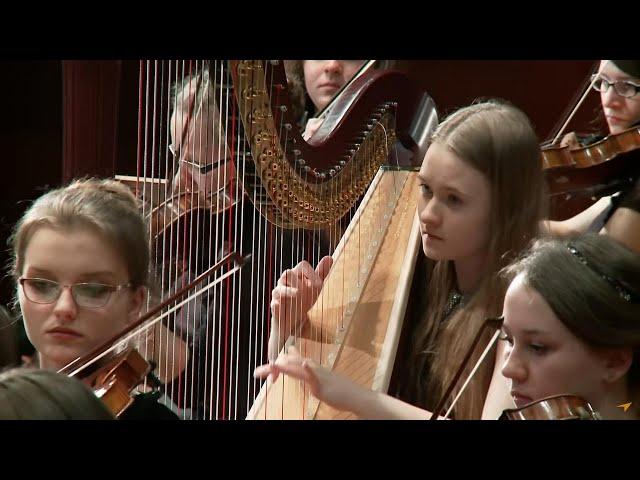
(282, 293)
(293, 351)
(310, 275)
(263, 370)
(324, 266)
(295, 371)
(288, 278)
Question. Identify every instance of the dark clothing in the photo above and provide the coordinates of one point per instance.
(145, 406)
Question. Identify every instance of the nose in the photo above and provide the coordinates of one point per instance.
(610, 97)
(65, 308)
(513, 368)
(333, 66)
(430, 212)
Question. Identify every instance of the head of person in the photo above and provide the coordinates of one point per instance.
(480, 199)
(571, 321)
(321, 79)
(198, 136)
(80, 262)
(618, 82)
(36, 394)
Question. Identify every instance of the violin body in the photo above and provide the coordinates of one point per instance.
(577, 177)
(557, 407)
(113, 382)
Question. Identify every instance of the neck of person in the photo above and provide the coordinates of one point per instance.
(614, 395)
(469, 272)
(48, 364)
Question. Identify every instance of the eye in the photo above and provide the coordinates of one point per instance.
(93, 290)
(42, 286)
(453, 199)
(537, 348)
(425, 190)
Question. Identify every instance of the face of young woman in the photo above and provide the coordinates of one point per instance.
(63, 330)
(453, 206)
(542, 356)
(323, 78)
(621, 113)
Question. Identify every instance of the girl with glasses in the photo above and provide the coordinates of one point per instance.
(80, 262)
(618, 82)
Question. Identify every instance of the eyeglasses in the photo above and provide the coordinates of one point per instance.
(90, 295)
(625, 89)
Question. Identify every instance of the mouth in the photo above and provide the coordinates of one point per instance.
(520, 400)
(431, 236)
(329, 86)
(612, 119)
(62, 333)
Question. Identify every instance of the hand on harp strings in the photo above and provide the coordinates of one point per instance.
(295, 293)
(331, 388)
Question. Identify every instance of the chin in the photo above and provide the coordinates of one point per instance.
(433, 253)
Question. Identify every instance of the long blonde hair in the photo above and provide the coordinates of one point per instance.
(498, 140)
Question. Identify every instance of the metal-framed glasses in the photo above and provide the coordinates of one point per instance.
(90, 295)
(624, 88)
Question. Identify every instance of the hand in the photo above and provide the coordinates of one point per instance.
(313, 124)
(570, 140)
(328, 387)
(295, 293)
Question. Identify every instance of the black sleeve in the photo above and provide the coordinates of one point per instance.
(145, 406)
(631, 199)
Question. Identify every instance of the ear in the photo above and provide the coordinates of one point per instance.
(137, 301)
(616, 363)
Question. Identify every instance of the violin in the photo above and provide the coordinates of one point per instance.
(115, 380)
(577, 177)
(556, 407)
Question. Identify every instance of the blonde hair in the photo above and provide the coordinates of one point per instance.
(105, 206)
(496, 139)
(36, 394)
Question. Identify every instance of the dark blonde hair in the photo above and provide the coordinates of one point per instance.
(497, 139)
(105, 206)
(36, 394)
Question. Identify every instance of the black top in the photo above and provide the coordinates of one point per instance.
(145, 406)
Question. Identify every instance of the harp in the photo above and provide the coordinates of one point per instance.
(239, 178)
(354, 326)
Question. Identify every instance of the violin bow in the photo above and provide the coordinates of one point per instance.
(132, 330)
(587, 85)
(488, 323)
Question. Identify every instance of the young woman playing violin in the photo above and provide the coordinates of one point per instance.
(571, 324)
(569, 328)
(80, 262)
(479, 205)
(618, 82)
